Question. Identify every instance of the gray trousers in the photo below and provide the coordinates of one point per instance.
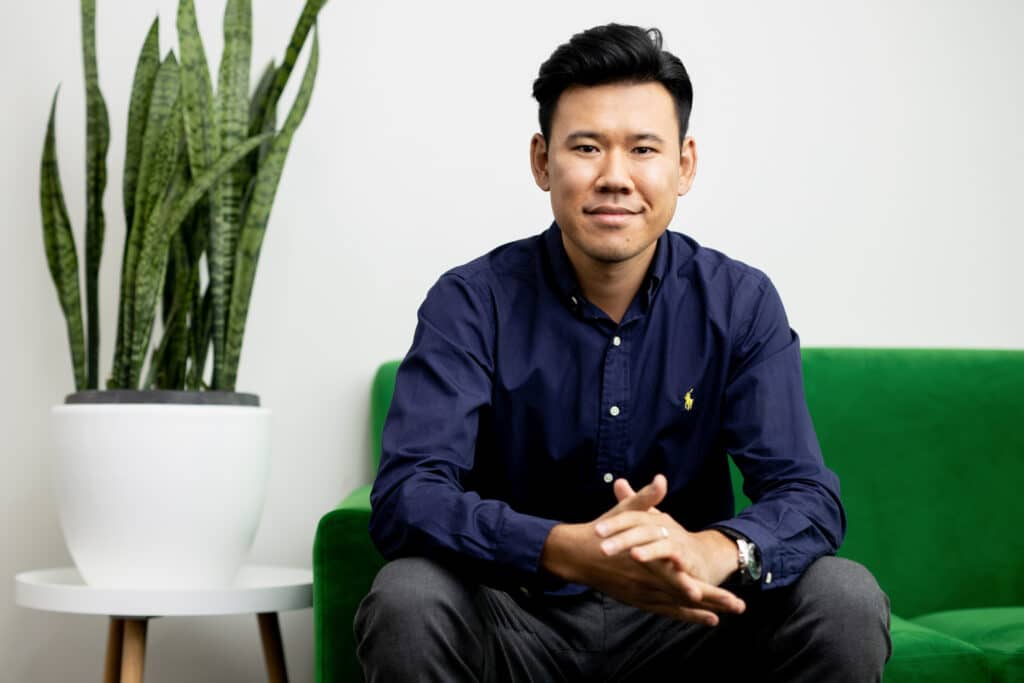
(423, 622)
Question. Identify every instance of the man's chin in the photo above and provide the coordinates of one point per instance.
(612, 254)
(609, 248)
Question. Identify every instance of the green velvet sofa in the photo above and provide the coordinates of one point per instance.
(929, 448)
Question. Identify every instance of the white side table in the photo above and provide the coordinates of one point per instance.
(264, 591)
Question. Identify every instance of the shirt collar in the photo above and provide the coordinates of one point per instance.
(564, 276)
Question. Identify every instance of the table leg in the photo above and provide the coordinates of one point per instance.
(134, 654)
(115, 639)
(273, 647)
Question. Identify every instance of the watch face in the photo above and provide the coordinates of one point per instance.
(753, 562)
(750, 560)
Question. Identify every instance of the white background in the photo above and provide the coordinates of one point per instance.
(866, 155)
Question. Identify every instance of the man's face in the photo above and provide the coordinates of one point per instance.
(614, 167)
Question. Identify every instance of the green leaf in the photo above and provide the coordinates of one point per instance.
(61, 255)
(153, 256)
(165, 93)
(163, 98)
(164, 161)
(298, 40)
(97, 140)
(166, 369)
(151, 268)
(202, 329)
(257, 215)
(203, 183)
(196, 91)
(142, 88)
(192, 239)
(257, 107)
(146, 69)
(196, 231)
(231, 110)
(179, 270)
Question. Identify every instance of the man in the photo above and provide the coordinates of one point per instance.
(552, 376)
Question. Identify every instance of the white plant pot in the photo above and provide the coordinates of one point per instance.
(160, 496)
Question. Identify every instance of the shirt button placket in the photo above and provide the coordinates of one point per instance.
(613, 434)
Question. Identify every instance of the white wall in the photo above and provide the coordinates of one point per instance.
(866, 155)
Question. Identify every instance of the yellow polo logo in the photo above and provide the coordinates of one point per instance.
(688, 400)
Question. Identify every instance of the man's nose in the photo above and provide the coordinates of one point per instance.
(614, 174)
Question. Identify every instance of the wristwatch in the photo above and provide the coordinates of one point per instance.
(750, 561)
(750, 556)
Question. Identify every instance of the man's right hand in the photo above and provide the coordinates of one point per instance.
(573, 552)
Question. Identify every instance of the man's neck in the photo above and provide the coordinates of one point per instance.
(610, 286)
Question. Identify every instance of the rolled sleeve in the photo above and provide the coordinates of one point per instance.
(796, 515)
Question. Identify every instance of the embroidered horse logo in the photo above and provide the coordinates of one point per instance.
(688, 400)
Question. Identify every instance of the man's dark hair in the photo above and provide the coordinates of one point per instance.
(610, 54)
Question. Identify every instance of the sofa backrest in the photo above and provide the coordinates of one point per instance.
(380, 401)
(929, 448)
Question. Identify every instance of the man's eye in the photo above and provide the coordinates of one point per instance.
(644, 150)
(586, 149)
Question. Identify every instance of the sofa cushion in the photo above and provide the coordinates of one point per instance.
(920, 654)
(997, 631)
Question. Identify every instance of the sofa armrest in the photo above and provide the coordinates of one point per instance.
(345, 562)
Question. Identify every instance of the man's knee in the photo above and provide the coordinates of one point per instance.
(423, 610)
(848, 608)
(408, 591)
(843, 588)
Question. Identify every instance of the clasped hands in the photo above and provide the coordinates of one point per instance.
(641, 556)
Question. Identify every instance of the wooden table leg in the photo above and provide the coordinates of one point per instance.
(273, 647)
(115, 639)
(134, 654)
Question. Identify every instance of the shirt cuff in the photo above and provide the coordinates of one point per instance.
(521, 541)
(772, 574)
(522, 544)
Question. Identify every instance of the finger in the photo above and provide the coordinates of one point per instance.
(645, 498)
(658, 600)
(643, 535)
(713, 597)
(674, 581)
(663, 549)
(622, 490)
(689, 614)
(626, 519)
(694, 591)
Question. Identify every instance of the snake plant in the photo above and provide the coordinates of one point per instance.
(201, 170)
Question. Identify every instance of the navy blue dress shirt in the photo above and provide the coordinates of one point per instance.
(520, 402)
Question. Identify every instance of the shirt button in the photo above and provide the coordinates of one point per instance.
(614, 410)
(768, 577)
(574, 301)
(608, 478)
(616, 341)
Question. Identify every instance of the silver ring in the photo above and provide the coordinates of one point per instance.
(664, 532)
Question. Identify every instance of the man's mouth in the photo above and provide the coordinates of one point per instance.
(610, 216)
(610, 210)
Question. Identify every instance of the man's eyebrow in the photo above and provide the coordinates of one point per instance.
(649, 136)
(589, 134)
(575, 135)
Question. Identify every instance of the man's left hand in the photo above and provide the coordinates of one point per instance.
(650, 535)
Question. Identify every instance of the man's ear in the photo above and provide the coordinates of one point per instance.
(687, 165)
(539, 161)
